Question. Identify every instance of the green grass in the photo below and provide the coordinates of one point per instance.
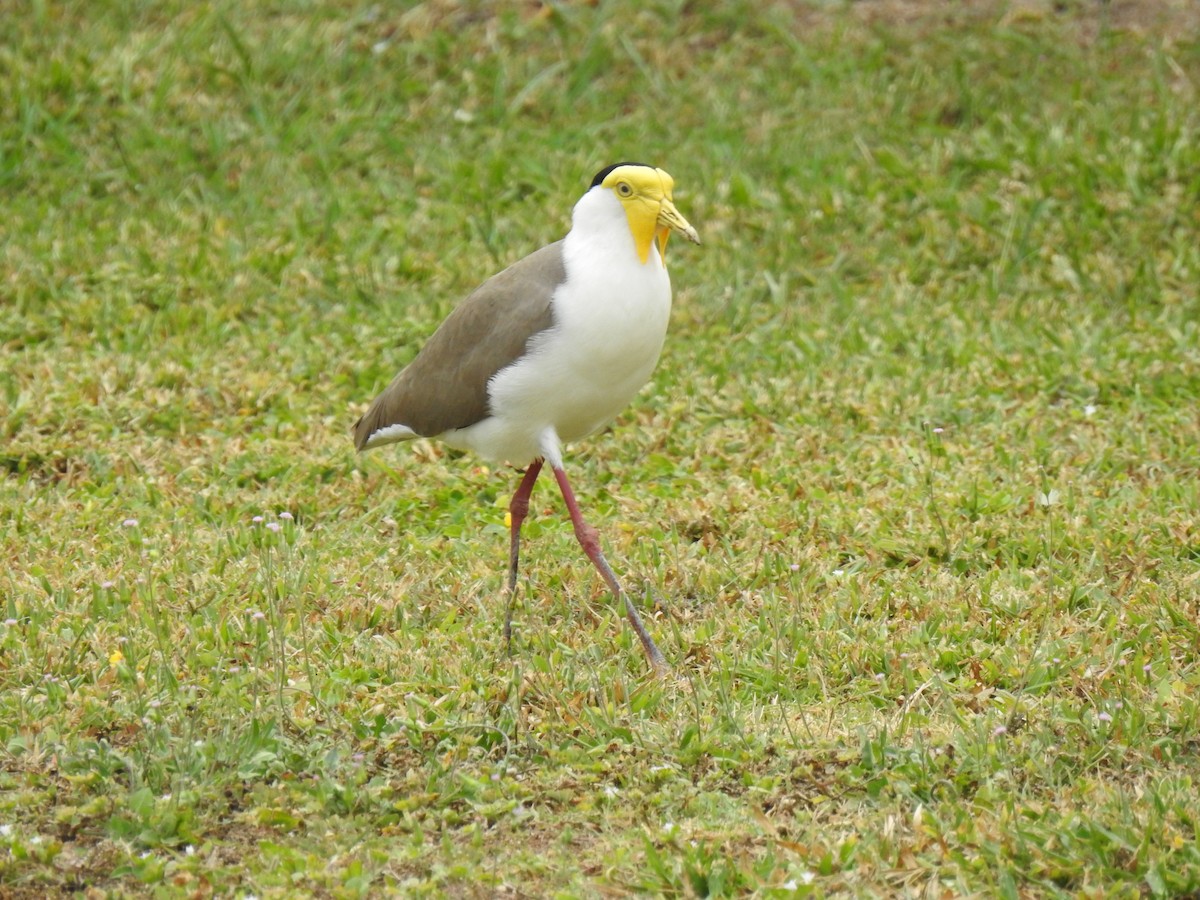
(915, 486)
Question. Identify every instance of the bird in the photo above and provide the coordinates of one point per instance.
(547, 352)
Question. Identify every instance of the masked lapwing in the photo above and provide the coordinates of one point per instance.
(548, 352)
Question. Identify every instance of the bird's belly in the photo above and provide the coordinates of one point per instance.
(610, 320)
(525, 404)
(591, 396)
(577, 376)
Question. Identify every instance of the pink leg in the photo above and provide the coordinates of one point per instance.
(518, 509)
(590, 541)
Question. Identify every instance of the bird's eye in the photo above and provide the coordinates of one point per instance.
(624, 189)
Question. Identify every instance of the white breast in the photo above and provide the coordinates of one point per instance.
(610, 322)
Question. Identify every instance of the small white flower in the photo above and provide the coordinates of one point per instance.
(189, 850)
(6, 830)
(610, 791)
(1048, 499)
(257, 520)
(1089, 410)
(130, 523)
(791, 884)
(286, 515)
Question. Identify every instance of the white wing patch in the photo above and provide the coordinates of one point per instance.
(389, 435)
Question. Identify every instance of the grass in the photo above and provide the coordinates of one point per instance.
(913, 492)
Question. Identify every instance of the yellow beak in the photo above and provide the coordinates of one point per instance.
(670, 220)
(649, 226)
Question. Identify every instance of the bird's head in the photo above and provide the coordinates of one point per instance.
(645, 194)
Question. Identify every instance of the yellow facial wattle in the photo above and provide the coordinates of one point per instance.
(645, 193)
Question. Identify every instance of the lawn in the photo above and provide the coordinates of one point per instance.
(912, 502)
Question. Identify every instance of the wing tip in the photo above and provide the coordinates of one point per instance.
(368, 438)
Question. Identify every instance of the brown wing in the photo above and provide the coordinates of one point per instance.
(445, 387)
